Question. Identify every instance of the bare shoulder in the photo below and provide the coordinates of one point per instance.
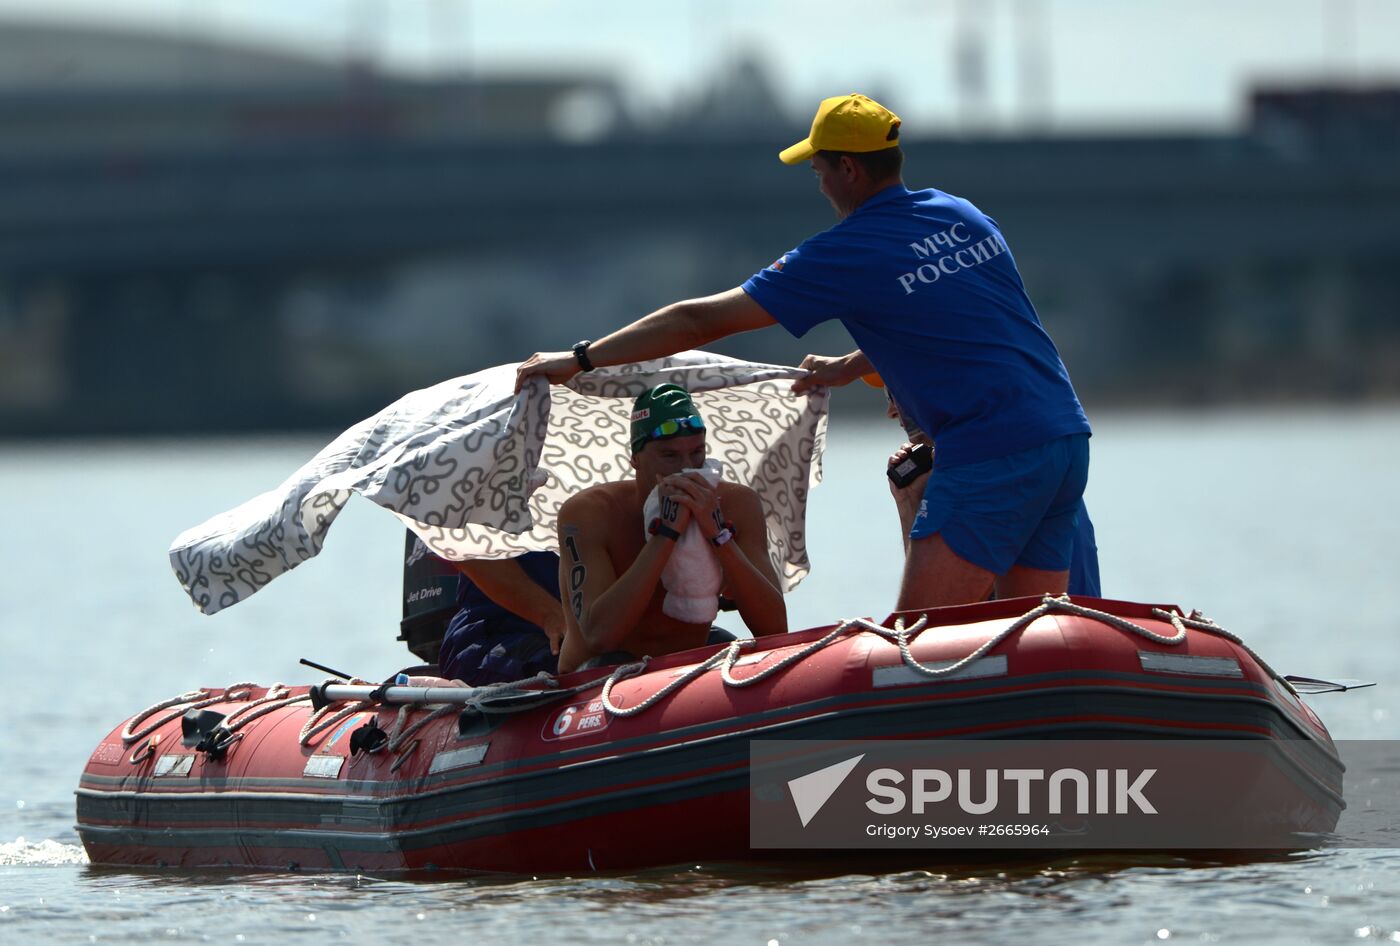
(595, 502)
(739, 494)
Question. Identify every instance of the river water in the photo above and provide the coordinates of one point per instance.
(1280, 525)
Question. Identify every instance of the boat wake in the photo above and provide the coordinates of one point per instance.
(45, 853)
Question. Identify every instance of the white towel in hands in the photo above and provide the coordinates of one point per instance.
(692, 578)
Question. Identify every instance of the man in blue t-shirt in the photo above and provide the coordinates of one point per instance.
(926, 285)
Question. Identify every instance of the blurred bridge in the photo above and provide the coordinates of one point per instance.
(215, 259)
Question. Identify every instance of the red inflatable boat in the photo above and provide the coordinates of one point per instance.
(647, 765)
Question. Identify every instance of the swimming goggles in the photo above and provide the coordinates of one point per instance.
(670, 428)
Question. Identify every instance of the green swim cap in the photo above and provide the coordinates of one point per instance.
(664, 412)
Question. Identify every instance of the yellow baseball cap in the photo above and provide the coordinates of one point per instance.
(847, 123)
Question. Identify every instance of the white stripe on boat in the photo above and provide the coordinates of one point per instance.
(323, 766)
(170, 766)
(902, 675)
(1157, 662)
(458, 758)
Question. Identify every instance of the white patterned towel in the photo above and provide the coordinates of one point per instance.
(460, 464)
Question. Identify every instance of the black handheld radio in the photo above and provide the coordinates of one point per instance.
(906, 471)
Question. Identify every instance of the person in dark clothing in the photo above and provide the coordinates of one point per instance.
(509, 620)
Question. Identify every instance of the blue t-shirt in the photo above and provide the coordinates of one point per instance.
(926, 285)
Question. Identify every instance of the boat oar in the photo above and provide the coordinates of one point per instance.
(1311, 685)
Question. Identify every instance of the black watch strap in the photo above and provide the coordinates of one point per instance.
(657, 527)
(581, 353)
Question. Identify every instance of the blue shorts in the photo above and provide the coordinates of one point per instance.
(1020, 509)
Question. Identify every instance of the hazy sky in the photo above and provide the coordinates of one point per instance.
(1065, 63)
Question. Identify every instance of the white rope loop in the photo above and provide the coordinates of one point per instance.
(270, 707)
(192, 699)
(397, 740)
(903, 637)
(398, 734)
(632, 669)
(317, 724)
(277, 696)
(1202, 623)
(732, 652)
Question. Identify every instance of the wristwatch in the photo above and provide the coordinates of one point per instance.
(581, 353)
(657, 527)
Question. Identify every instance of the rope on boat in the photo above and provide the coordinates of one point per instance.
(192, 699)
(278, 696)
(400, 735)
(316, 723)
(724, 659)
(902, 637)
(1200, 622)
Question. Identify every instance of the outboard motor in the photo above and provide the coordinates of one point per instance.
(429, 599)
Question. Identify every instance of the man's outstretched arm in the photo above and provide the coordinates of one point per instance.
(506, 583)
(828, 372)
(677, 327)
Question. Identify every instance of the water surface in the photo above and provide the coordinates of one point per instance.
(1281, 525)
